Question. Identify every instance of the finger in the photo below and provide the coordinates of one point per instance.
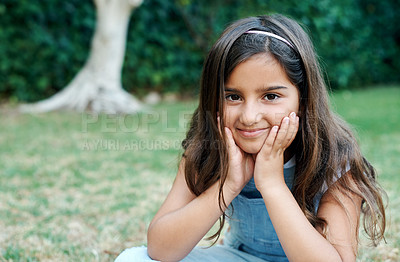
(229, 138)
(229, 141)
(219, 125)
(269, 141)
(227, 132)
(293, 128)
(282, 133)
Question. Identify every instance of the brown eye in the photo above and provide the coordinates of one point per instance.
(271, 97)
(232, 97)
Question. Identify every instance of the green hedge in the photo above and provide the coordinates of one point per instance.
(45, 42)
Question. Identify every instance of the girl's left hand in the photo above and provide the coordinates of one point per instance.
(268, 170)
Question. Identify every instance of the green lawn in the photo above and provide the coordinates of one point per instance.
(75, 187)
(375, 116)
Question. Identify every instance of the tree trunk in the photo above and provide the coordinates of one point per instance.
(97, 86)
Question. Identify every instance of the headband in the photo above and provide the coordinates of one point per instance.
(271, 35)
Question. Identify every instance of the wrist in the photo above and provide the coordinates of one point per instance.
(269, 180)
(273, 191)
(230, 192)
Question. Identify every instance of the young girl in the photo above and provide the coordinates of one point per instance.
(265, 151)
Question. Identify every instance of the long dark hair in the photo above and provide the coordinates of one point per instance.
(324, 144)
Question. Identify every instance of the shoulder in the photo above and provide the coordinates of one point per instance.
(337, 174)
(340, 207)
(334, 180)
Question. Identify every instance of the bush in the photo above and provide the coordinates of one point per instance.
(47, 42)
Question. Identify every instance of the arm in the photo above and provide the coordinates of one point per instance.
(343, 226)
(300, 240)
(183, 220)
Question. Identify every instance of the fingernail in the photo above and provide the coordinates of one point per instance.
(286, 120)
(293, 115)
(275, 128)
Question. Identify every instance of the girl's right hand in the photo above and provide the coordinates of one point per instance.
(241, 165)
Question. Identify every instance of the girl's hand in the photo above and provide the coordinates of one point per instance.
(268, 169)
(240, 167)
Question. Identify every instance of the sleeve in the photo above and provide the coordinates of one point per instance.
(325, 187)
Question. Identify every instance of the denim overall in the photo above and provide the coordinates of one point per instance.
(251, 237)
(251, 229)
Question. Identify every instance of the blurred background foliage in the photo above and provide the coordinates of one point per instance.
(44, 43)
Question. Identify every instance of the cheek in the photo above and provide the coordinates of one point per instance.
(228, 122)
(229, 118)
(293, 106)
(275, 118)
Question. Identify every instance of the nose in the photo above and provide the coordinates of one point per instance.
(250, 114)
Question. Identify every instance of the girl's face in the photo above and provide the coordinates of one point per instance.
(258, 94)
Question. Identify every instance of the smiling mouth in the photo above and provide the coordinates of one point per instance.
(251, 133)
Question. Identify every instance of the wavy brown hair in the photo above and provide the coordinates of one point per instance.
(324, 143)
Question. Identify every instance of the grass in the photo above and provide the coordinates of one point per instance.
(375, 117)
(78, 187)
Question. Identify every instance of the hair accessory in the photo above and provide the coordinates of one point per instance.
(271, 35)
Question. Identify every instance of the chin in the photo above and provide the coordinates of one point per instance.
(251, 149)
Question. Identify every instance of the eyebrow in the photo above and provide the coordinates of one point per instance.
(259, 90)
